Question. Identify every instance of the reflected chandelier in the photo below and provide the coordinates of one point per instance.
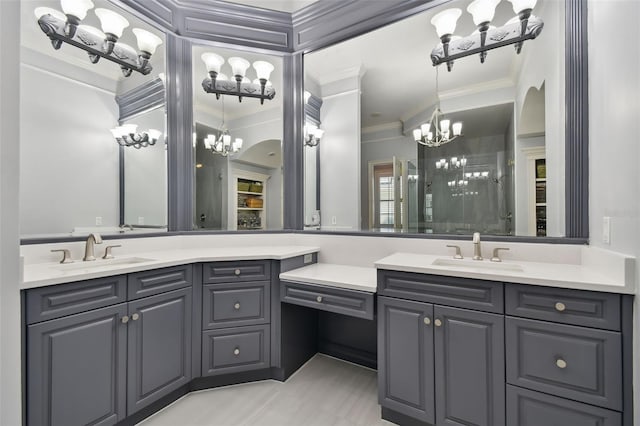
(438, 131)
(222, 145)
(127, 135)
(517, 30)
(65, 28)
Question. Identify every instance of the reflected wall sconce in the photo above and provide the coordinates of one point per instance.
(517, 30)
(242, 86)
(312, 135)
(65, 28)
(127, 135)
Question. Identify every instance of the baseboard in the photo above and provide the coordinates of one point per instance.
(354, 355)
(401, 419)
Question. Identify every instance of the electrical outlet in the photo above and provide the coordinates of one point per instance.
(308, 258)
(606, 230)
(140, 220)
(334, 220)
(98, 220)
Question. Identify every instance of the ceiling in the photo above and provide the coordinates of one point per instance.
(281, 5)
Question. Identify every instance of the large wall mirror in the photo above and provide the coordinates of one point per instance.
(75, 177)
(237, 144)
(503, 176)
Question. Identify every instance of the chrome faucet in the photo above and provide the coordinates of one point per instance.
(477, 250)
(94, 238)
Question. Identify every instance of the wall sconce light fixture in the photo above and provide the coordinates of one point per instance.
(517, 30)
(127, 135)
(312, 134)
(65, 28)
(220, 84)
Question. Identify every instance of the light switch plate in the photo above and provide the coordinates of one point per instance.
(606, 230)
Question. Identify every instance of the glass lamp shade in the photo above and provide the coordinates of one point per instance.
(482, 10)
(226, 140)
(263, 69)
(318, 133)
(77, 8)
(147, 42)
(417, 134)
(425, 128)
(457, 128)
(520, 5)
(239, 65)
(128, 129)
(445, 21)
(237, 144)
(213, 62)
(154, 134)
(41, 11)
(207, 142)
(116, 132)
(111, 22)
(444, 125)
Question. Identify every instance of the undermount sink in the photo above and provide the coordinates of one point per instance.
(478, 264)
(101, 263)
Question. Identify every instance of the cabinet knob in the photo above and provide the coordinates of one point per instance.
(237, 272)
(125, 319)
(236, 351)
(560, 307)
(427, 320)
(319, 299)
(236, 306)
(135, 316)
(561, 363)
(438, 322)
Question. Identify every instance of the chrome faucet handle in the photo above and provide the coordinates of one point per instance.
(496, 254)
(66, 255)
(107, 251)
(458, 254)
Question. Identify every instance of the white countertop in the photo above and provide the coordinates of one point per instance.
(43, 274)
(332, 275)
(546, 274)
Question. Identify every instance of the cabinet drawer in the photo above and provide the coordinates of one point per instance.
(452, 291)
(232, 350)
(231, 272)
(529, 408)
(56, 301)
(231, 305)
(339, 300)
(148, 283)
(573, 362)
(577, 307)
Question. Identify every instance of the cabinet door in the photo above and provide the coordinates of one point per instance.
(469, 365)
(159, 347)
(405, 357)
(76, 369)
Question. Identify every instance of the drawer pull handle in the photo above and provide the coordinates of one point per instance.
(135, 316)
(438, 323)
(319, 299)
(124, 319)
(427, 320)
(237, 272)
(560, 307)
(561, 363)
(236, 306)
(236, 351)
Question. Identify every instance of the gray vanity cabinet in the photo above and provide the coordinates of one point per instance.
(159, 347)
(76, 369)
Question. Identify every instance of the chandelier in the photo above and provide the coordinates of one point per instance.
(517, 30)
(312, 135)
(222, 144)
(65, 28)
(127, 135)
(242, 86)
(438, 131)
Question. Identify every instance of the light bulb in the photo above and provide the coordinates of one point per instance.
(147, 42)
(522, 5)
(417, 134)
(482, 10)
(263, 69)
(111, 22)
(239, 65)
(41, 11)
(213, 62)
(457, 128)
(444, 125)
(445, 21)
(154, 134)
(77, 8)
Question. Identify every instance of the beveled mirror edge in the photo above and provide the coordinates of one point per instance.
(285, 37)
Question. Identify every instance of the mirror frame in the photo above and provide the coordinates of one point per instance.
(316, 26)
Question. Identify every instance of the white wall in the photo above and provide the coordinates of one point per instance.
(10, 372)
(614, 129)
(69, 159)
